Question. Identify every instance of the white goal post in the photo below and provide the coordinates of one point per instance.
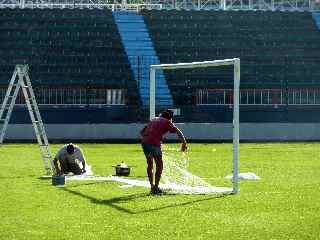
(236, 85)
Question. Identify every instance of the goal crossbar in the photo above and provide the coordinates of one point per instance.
(196, 64)
(236, 85)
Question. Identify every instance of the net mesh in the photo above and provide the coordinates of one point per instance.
(177, 178)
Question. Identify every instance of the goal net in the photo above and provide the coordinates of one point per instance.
(177, 176)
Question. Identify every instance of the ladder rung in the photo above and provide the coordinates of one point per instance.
(25, 86)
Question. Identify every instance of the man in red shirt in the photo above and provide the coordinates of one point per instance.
(152, 135)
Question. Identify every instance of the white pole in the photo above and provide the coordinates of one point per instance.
(152, 94)
(203, 64)
(236, 124)
(223, 5)
(22, 4)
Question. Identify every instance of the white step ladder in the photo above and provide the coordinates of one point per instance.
(20, 79)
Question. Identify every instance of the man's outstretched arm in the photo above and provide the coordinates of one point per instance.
(183, 140)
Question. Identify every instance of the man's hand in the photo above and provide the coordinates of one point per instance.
(142, 131)
(184, 147)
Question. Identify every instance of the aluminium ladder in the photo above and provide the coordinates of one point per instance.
(20, 79)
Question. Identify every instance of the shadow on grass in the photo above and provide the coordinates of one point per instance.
(17, 177)
(110, 202)
(183, 203)
(114, 202)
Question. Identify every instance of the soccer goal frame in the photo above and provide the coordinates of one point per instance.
(236, 85)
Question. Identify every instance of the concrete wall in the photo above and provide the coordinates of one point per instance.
(192, 131)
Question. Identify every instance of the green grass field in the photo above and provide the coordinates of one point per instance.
(284, 204)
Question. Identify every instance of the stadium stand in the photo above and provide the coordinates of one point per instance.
(84, 70)
(277, 49)
(279, 52)
(76, 57)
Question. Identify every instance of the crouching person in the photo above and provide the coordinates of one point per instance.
(71, 160)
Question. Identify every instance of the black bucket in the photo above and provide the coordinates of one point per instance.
(122, 171)
(58, 180)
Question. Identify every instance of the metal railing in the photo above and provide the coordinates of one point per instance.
(136, 5)
(74, 96)
(298, 96)
(73, 5)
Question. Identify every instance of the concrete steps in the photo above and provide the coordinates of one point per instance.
(316, 17)
(141, 54)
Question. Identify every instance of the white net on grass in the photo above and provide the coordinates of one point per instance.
(177, 178)
(175, 169)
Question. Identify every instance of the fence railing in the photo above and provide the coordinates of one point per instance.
(104, 96)
(74, 4)
(74, 96)
(292, 96)
(136, 5)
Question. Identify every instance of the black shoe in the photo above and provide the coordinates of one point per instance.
(156, 191)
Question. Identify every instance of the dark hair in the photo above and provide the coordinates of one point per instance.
(168, 114)
(70, 148)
